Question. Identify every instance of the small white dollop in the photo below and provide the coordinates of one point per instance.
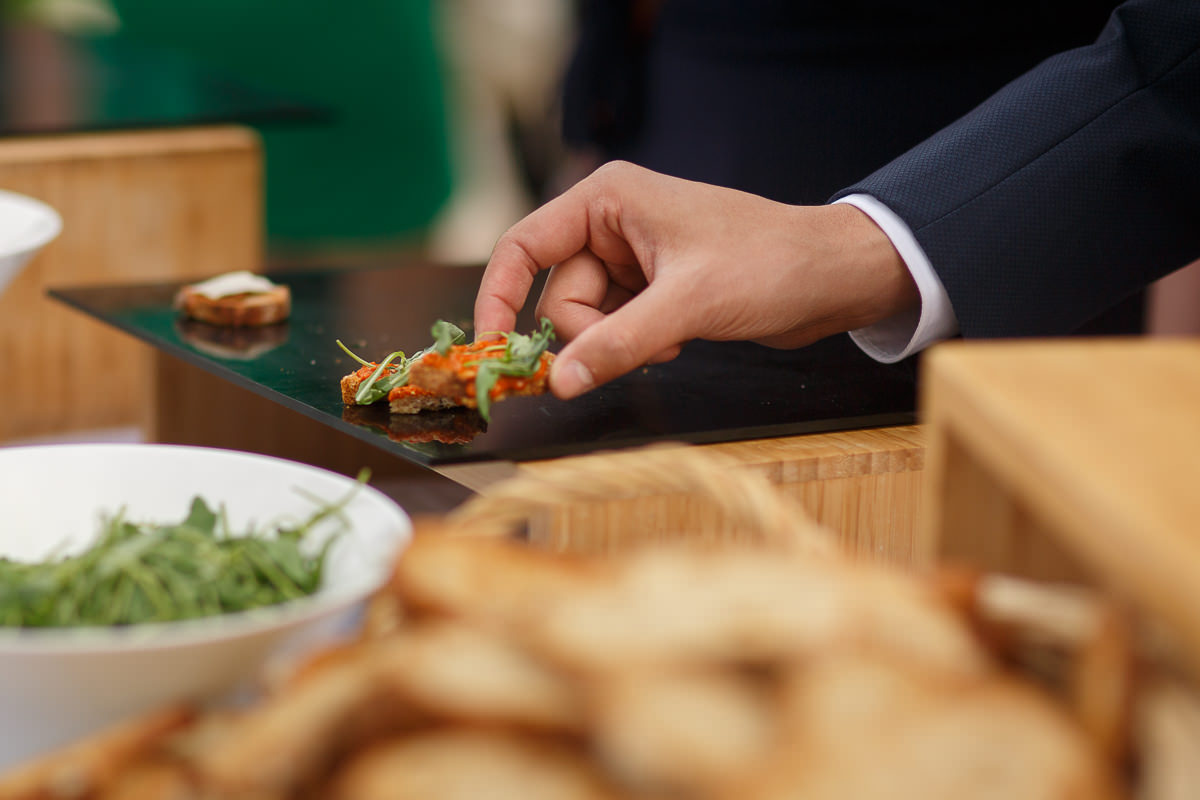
(231, 283)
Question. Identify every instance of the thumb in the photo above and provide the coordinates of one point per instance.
(637, 332)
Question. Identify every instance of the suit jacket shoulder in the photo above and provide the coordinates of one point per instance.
(1070, 188)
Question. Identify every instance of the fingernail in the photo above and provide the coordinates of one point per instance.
(572, 378)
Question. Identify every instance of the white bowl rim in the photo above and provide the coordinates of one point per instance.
(41, 233)
(96, 640)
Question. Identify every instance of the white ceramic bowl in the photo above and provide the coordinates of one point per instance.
(57, 685)
(26, 226)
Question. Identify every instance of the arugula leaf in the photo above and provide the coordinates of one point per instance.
(158, 572)
(388, 376)
(351, 353)
(485, 379)
(200, 517)
(377, 386)
(529, 349)
(521, 359)
(382, 380)
(445, 335)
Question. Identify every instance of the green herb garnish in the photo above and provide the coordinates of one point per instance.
(388, 376)
(445, 335)
(385, 377)
(521, 359)
(146, 572)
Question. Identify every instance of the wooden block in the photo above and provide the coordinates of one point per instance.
(865, 485)
(138, 206)
(991, 523)
(1070, 459)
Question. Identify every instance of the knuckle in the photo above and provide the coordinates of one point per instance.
(512, 248)
(611, 177)
(505, 245)
(613, 169)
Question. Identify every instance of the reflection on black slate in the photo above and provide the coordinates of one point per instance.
(714, 391)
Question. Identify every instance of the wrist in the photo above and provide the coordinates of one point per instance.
(875, 281)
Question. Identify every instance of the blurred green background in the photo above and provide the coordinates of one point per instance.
(378, 171)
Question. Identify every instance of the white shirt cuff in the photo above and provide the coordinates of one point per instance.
(900, 336)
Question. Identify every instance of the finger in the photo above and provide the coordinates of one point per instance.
(502, 293)
(578, 294)
(574, 291)
(666, 355)
(551, 234)
(645, 327)
(614, 298)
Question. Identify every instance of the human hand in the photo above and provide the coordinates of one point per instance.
(642, 263)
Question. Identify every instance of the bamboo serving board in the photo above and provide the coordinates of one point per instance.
(864, 485)
(136, 206)
(1076, 460)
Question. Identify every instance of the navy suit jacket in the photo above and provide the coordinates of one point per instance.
(1071, 187)
(795, 99)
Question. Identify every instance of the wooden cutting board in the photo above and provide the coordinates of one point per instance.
(864, 485)
(1075, 460)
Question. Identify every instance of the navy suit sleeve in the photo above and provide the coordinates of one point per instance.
(1069, 189)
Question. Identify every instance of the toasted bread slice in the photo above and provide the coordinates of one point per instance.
(461, 764)
(930, 736)
(413, 399)
(453, 375)
(406, 399)
(89, 764)
(241, 309)
(351, 382)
